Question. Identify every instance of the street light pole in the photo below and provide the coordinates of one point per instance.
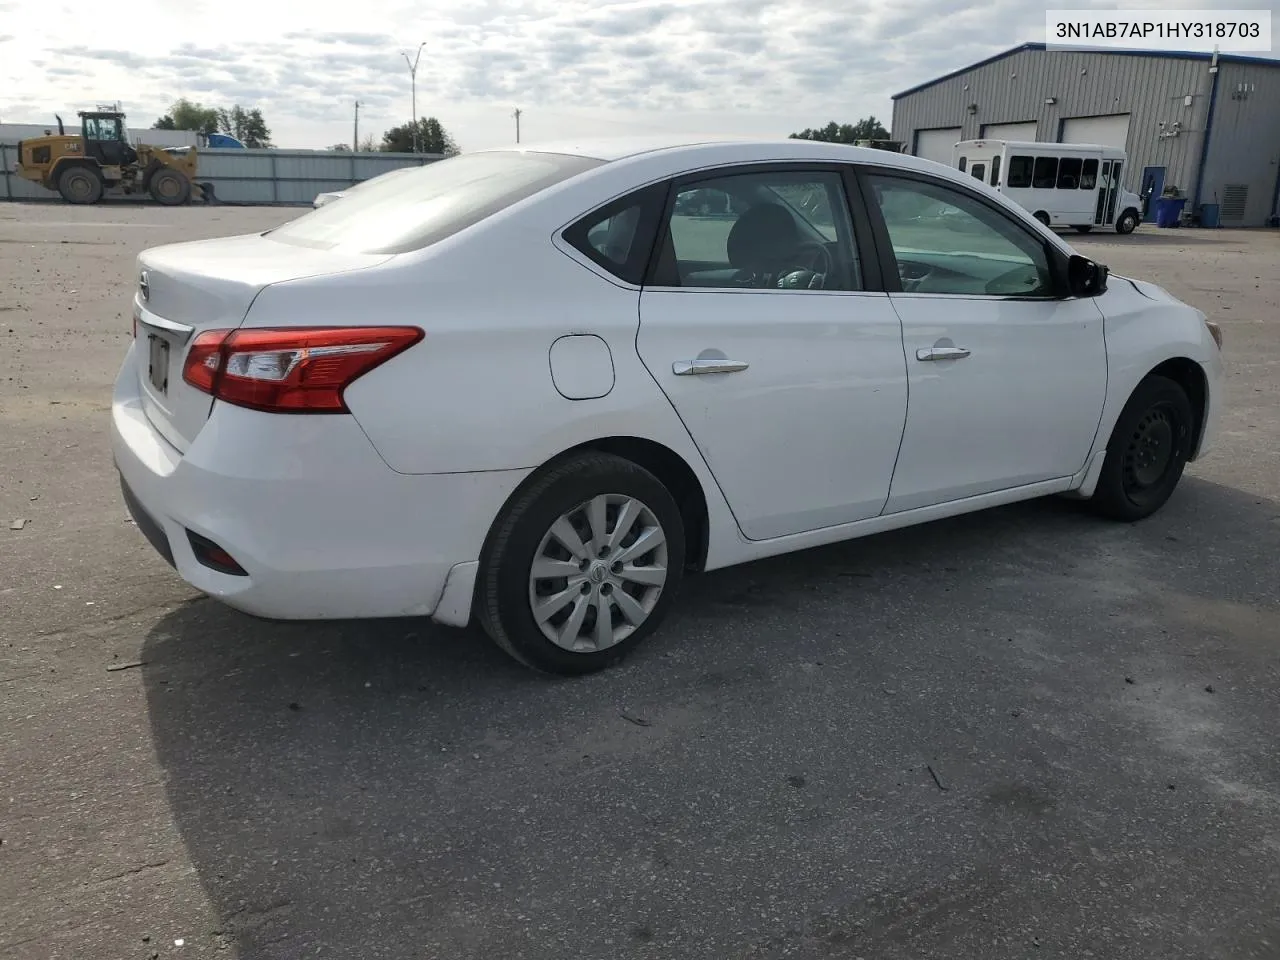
(355, 130)
(413, 85)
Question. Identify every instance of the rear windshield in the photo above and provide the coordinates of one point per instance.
(412, 210)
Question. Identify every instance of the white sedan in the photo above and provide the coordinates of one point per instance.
(539, 386)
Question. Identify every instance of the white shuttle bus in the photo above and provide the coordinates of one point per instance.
(1063, 184)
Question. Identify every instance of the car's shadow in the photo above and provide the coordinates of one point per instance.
(923, 721)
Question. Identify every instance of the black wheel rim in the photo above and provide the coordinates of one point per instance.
(1153, 450)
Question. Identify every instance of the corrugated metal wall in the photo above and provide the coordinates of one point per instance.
(1150, 89)
(1244, 147)
(253, 176)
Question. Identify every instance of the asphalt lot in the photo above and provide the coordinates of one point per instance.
(1022, 733)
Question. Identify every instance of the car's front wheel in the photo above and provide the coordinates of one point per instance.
(1127, 223)
(1147, 452)
(582, 564)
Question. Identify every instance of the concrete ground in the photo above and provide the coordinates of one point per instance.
(1023, 733)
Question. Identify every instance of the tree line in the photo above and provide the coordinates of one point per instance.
(249, 127)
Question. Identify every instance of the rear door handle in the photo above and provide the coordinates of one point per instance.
(692, 368)
(941, 353)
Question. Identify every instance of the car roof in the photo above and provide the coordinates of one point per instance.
(609, 149)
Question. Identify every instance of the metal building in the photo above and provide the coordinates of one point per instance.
(1206, 124)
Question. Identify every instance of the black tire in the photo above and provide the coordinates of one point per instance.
(80, 184)
(1128, 222)
(1042, 217)
(1084, 227)
(1147, 452)
(168, 187)
(505, 589)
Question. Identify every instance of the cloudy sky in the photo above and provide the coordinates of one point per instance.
(575, 67)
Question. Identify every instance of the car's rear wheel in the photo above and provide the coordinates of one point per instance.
(1084, 227)
(582, 565)
(1147, 452)
(80, 185)
(1042, 217)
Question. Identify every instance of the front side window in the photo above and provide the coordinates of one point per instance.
(760, 231)
(947, 242)
(995, 171)
(1019, 172)
(1046, 173)
(415, 209)
(1089, 175)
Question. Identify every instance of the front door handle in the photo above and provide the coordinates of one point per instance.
(941, 353)
(691, 368)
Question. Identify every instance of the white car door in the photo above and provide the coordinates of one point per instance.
(1007, 372)
(787, 372)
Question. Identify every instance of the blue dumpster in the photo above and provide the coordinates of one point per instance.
(1169, 210)
(1209, 214)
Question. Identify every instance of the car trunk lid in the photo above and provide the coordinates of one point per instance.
(185, 289)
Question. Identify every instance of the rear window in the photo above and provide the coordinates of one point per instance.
(413, 210)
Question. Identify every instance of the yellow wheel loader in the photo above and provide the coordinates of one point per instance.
(101, 161)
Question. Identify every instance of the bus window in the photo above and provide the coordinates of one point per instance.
(995, 170)
(1069, 173)
(1089, 175)
(1019, 172)
(963, 162)
(1046, 173)
(979, 170)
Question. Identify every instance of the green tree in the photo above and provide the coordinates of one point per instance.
(247, 126)
(185, 115)
(366, 146)
(866, 129)
(432, 138)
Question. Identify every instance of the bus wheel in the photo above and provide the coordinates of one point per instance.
(1042, 217)
(1127, 222)
(1084, 227)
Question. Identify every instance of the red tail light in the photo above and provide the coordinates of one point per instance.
(290, 369)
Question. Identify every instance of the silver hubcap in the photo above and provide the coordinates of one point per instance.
(598, 573)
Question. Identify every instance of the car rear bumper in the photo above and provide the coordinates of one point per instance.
(320, 525)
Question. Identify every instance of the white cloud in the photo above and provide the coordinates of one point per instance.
(575, 66)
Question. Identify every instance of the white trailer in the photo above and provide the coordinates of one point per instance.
(1076, 185)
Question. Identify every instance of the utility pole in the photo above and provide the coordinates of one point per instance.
(517, 116)
(413, 82)
(355, 130)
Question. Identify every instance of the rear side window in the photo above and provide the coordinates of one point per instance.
(410, 211)
(995, 170)
(619, 237)
(1019, 174)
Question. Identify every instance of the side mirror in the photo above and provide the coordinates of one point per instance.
(1085, 278)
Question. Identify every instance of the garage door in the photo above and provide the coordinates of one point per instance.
(1009, 131)
(937, 144)
(1112, 131)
